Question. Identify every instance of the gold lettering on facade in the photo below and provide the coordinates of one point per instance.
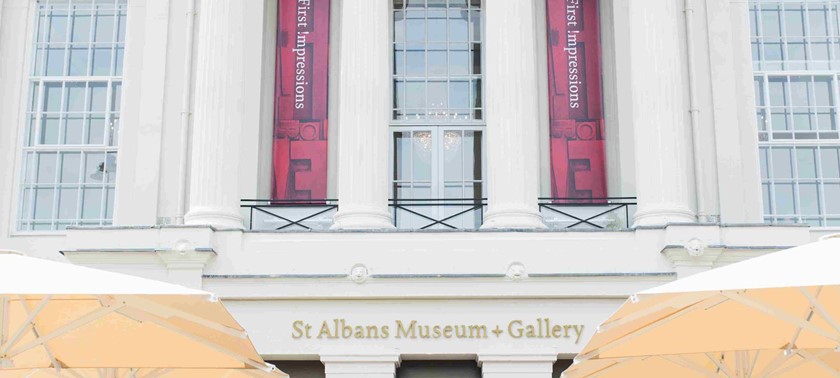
(539, 328)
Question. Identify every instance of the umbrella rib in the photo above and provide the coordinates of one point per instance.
(165, 324)
(720, 365)
(688, 364)
(91, 316)
(676, 303)
(820, 309)
(4, 318)
(754, 363)
(814, 359)
(778, 361)
(802, 361)
(33, 315)
(648, 327)
(771, 310)
(164, 311)
(30, 319)
(156, 373)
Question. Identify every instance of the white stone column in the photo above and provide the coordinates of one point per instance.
(364, 89)
(361, 365)
(517, 365)
(513, 119)
(659, 91)
(218, 115)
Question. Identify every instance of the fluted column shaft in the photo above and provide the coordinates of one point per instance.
(511, 96)
(660, 112)
(218, 115)
(364, 114)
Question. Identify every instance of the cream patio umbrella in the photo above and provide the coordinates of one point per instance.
(68, 320)
(772, 316)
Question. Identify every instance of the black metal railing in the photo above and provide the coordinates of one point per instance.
(438, 214)
(588, 213)
(316, 214)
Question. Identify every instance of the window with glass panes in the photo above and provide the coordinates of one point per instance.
(72, 123)
(438, 123)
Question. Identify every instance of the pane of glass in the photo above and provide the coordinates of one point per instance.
(58, 27)
(802, 120)
(459, 59)
(817, 22)
(92, 203)
(459, 94)
(399, 26)
(472, 155)
(415, 26)
(78, 62)
(476, 58)
(49, 130)
(416, 3)
(820, 51)
(762, 155)
(436, 26)
(832, 198)
(122, 23)
(781, 163)
(459, 25)
(101, 62)
(104, 28)
(784, 199)
(778, 91)
(109, 203)
(116, 94)
(98, 97)
(823, 92)
(437, 95)
(115, 131)
(46, 168)
(118, 61)
(829, 163)
(453, 157)
(800, 90)
(779, 120)
(44, 199)
(399, 94)
(773, 51)
(826, 120)
(75, 97)
(415, 95)
(67, 203)
(70, 165)
(95, 130)
(475, 25)
(415, 62)
(52, 97)
(809, 199)
(73, 130)
(476, 94)
(437, 3)
(796, 51)
(94, 167)
(55, 62)
(758, 84)
(794, 24)
(399, 62)
(437, 60)
(422, 154)
(770, 23)
(81, 27)
(402, 156)
(111, 167)
(806, 163)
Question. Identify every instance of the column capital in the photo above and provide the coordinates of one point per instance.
(517, 363)
(361, 363)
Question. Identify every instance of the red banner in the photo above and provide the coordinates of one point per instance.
(574, 72)
(300, 100)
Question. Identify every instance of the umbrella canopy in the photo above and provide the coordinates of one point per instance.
(63, 317)
(776, 315)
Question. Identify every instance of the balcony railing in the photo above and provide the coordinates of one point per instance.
(290, 215)
(588, 213)
(442, 214)
(438, 214)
